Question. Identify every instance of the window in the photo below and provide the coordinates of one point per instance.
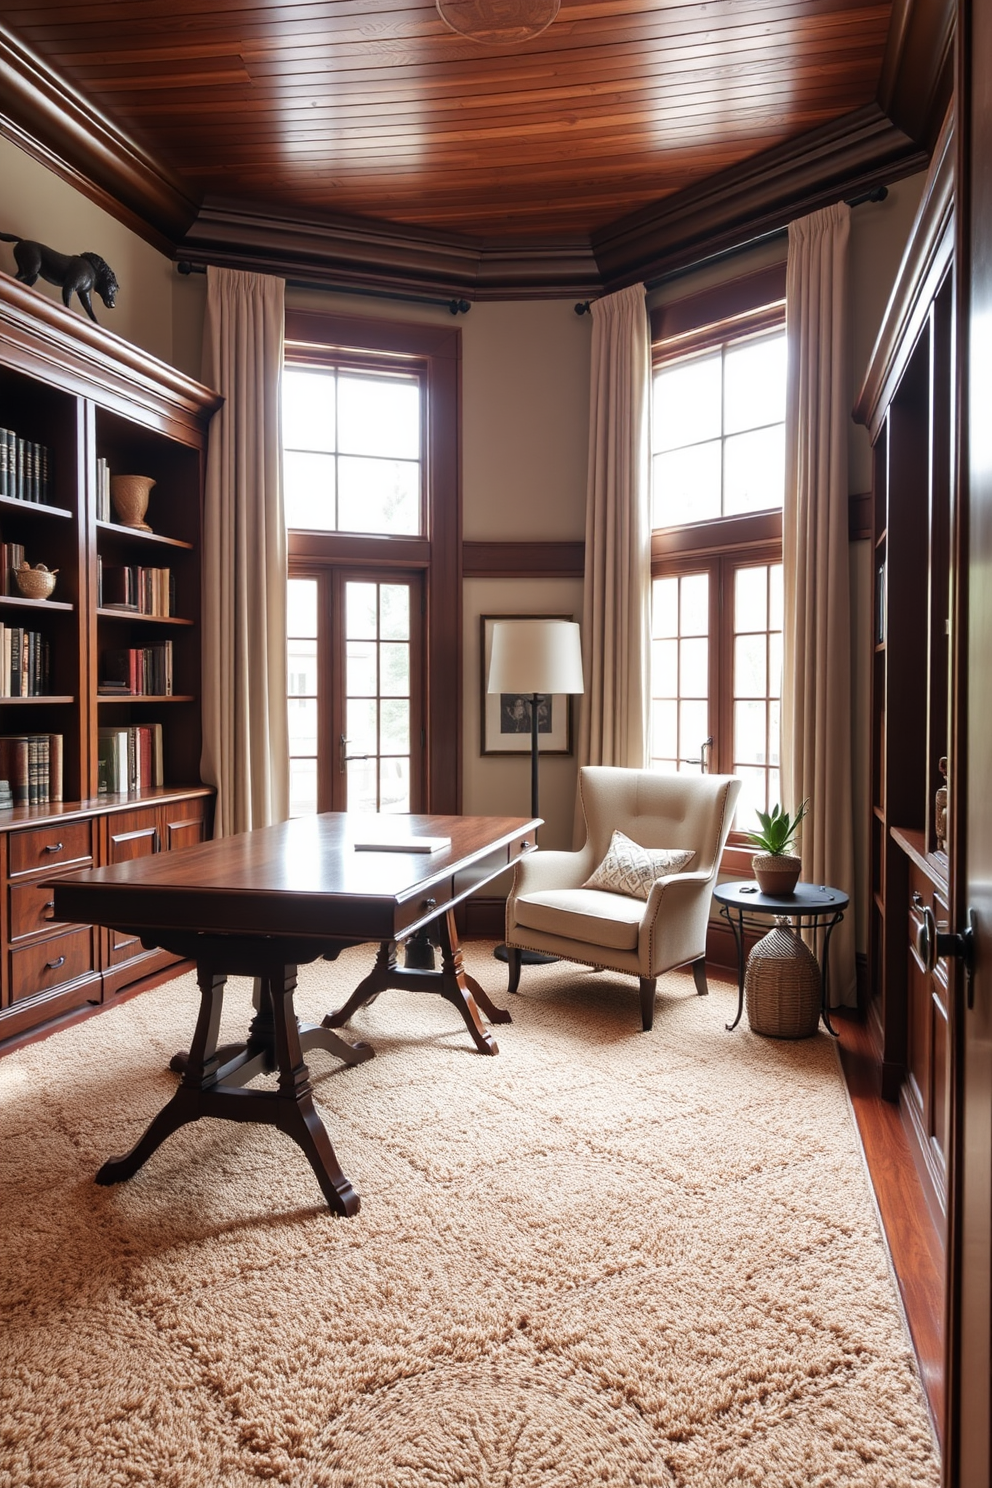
(352, 443)
(370, 470)
(718, 441)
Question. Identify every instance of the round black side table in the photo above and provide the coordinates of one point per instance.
(811, 907)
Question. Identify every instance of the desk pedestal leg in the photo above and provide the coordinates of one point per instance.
(452, 983)
(212, 1088)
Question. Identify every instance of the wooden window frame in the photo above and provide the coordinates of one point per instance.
(435, 352)
(720, 546)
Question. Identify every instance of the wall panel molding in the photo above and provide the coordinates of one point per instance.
(523, 560)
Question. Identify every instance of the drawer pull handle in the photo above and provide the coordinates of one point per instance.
(430, 904)
(917, 899)
(54, 965)
(53, 847)
(50, 905)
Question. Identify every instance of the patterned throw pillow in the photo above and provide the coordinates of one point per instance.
(629, 869)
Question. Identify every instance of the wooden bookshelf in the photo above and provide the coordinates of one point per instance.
(89, 397)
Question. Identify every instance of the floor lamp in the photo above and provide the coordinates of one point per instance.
(535, 659)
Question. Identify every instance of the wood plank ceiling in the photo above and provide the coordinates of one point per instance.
(374, 108)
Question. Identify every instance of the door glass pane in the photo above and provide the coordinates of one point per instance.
(693, 729)
(665, 607)
(750, 742)
(361, 611)
(664, 730)
(303, 726)
(362, 781)
(360, 665)
(394, 784)
(394, 669)
(361, 737)
(302, 787)
(394, 726)
(751, 599)
(750, 679)
(694, 669)
(694, 605)
(394, 603)
(665, 668)
(301, 607)
(301, 662)
(379, 416)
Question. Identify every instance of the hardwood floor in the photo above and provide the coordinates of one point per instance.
(914, 1245)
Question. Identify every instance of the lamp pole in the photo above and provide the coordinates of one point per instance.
(534, 700)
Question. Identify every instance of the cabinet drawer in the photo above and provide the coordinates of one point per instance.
(55, 846)
(47, 963)
(184, 824)
(31, 908)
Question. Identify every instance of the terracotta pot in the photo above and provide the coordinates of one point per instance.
(129, 494)
(777, 873)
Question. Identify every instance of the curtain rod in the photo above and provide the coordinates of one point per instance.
(876, 194)
(456, 306)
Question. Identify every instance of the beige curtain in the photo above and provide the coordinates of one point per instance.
(245, 743)
(816, 694)
(615, 627)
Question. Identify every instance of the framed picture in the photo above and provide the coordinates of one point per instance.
(506, 715)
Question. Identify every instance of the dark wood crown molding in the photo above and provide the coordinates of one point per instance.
(43, 114)
(377, 257)
(926, 260)
(918, 70)
(849, 155)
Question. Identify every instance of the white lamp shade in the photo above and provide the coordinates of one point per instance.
(536, 656)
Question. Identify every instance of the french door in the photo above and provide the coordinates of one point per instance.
(355, 663)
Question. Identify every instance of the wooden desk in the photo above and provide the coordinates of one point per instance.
(261, 904)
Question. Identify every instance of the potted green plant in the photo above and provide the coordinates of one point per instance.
(776, 869)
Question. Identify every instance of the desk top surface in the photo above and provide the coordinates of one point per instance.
(303, 874)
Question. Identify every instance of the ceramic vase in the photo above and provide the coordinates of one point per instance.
(777, 873)
(129, 495)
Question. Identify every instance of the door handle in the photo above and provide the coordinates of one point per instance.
(701, 761)
(345, 757)
(932, 943)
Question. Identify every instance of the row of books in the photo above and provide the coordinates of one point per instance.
(24, 467)
(25, 662)
(143, 671)
(146, 591)
(32, 765)
(129, 759)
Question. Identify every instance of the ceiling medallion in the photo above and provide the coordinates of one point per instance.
(498, 22)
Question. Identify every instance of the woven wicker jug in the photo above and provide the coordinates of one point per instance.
(782, 988)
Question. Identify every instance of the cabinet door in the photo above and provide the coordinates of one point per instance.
(184, 823)
(130, 835)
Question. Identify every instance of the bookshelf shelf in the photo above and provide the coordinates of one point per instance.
(134, 534)
(94, 407)
(19, 602)
(145, 697)
(135, 617)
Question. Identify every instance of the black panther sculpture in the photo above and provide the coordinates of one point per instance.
(79, 273)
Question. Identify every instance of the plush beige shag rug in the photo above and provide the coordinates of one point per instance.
(604, 1257)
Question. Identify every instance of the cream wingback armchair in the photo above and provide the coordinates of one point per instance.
(549, 909)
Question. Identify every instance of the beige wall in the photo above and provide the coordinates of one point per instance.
(524, 422)
(38, 204)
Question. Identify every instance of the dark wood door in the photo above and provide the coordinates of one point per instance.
(967, 1460)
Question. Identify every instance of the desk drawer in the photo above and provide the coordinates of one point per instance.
(48, 963)
(31, 908)
(54, 846)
